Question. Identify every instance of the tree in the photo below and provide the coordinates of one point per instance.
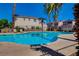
(1, 26)
(13, 18)
(52, 9)
(76, 14)
(47, 8)
(3, 23)
(10, 25)
(42, 21)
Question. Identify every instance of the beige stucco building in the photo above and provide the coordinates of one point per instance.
(67, 25)
(29, 22)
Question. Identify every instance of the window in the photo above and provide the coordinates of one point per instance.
(34, 20)
(29, 19)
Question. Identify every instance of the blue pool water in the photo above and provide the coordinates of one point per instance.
(32, 38)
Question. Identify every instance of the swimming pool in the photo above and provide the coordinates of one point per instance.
(32, 38)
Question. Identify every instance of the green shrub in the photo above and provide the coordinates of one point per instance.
(37, 27)
(46, 29)
(17, 29)
(10, 25)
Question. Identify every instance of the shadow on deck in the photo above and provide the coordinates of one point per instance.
(48, 51)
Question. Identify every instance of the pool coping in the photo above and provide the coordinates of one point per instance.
(27, 32)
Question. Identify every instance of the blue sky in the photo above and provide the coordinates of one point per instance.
(35, 10)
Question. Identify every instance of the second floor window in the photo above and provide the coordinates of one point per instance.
(34, 20)
(29, 19)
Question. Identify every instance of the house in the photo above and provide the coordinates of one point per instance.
(54, 25)
(29, 23)
(67, 25)
(50, 26)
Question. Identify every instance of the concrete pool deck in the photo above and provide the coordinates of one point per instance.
(12, 49)
(63, 46)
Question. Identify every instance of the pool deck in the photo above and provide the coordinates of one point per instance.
(12, 49)
(65, 45)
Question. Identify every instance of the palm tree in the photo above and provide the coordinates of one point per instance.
(42, 21)
(53, 9)
(76, 14)
(13, 16)
(47, 9)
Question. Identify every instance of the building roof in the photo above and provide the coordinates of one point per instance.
(27, 17)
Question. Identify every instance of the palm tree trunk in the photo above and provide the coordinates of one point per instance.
(42, 27)
(55, 19)
(49, 22)
(13, 16)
